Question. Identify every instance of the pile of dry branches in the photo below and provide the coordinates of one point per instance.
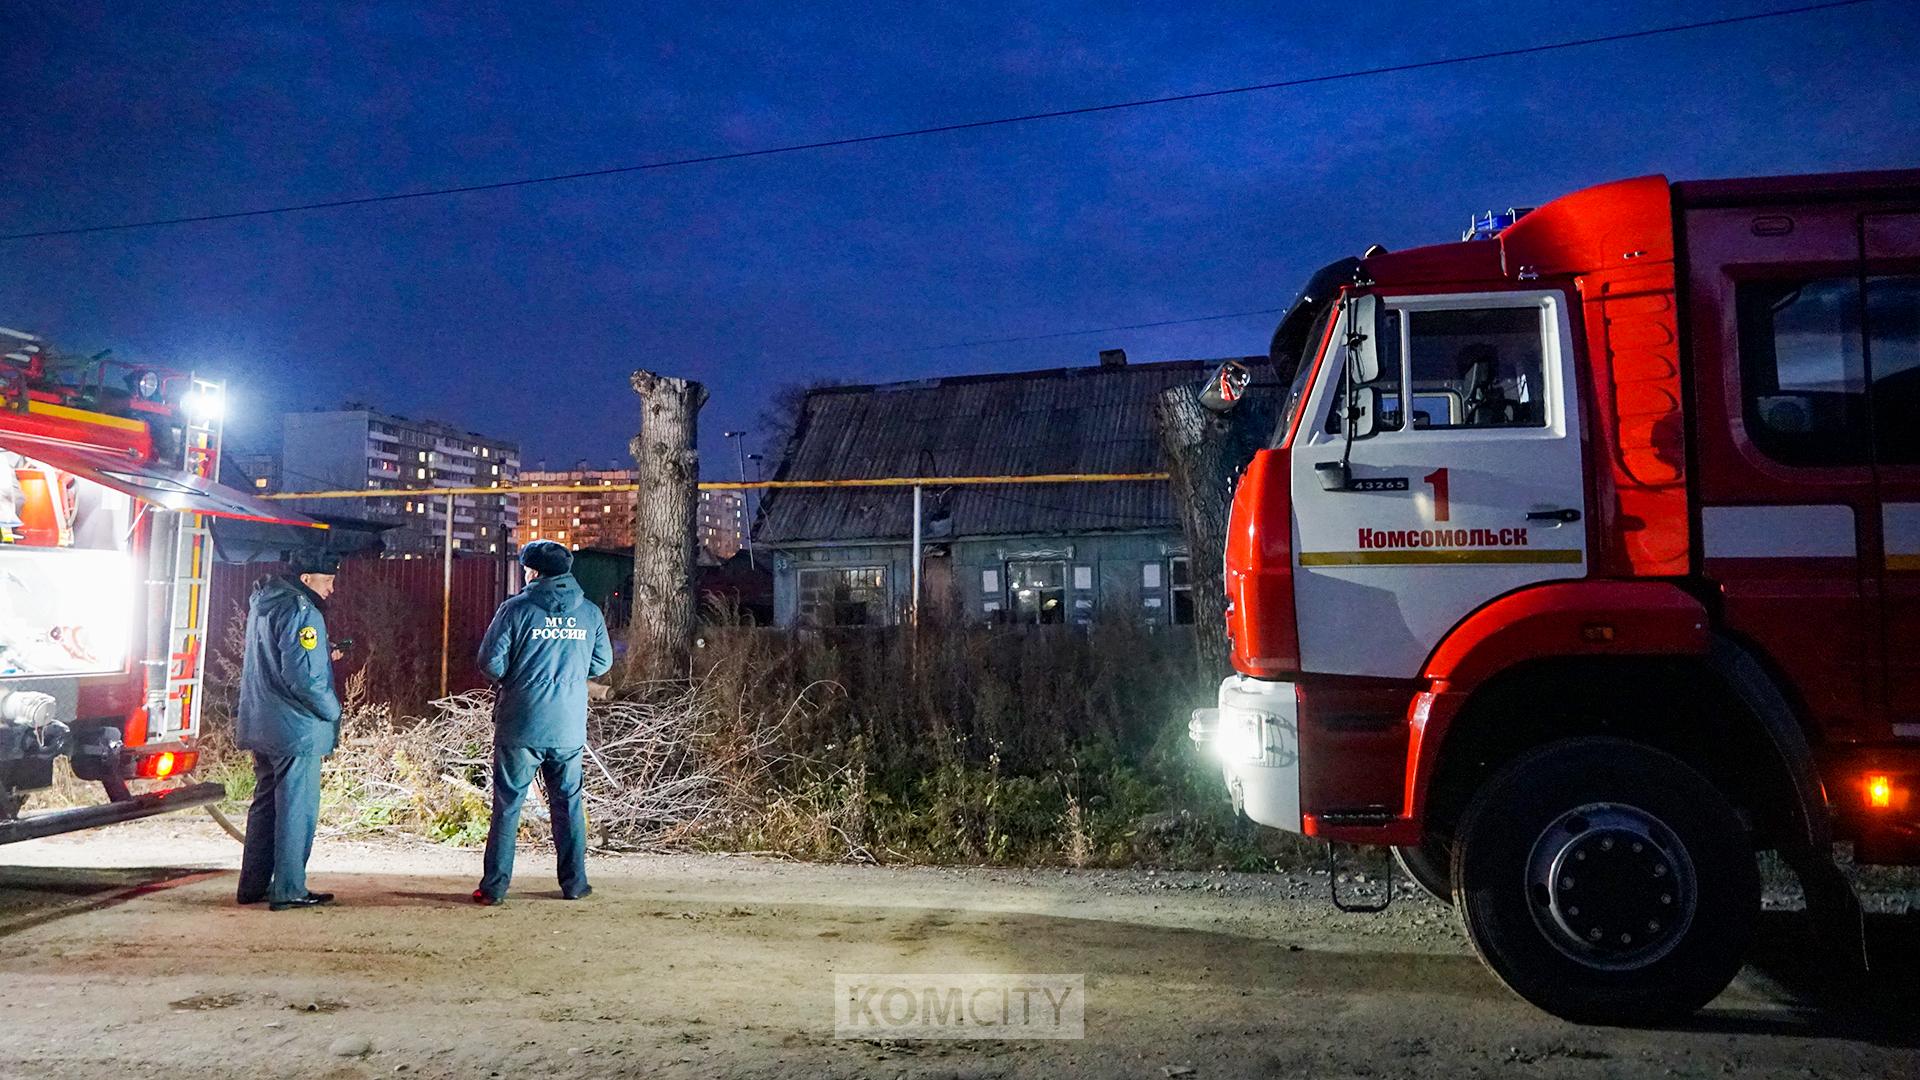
(662, 767)
(657, 769)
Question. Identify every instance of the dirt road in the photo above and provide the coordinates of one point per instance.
(126, 958)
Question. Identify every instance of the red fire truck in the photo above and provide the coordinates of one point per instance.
(1585, 563)
(107, 496)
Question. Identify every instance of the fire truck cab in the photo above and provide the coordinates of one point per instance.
(107, 496)
(1585, 563)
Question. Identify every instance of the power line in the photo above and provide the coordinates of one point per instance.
(1042, 337)
(940, 129)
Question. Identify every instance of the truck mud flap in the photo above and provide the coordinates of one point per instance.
(113, 813)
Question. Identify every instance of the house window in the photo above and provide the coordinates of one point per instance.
(1037, 591)
(1180, 586)
(843, 596)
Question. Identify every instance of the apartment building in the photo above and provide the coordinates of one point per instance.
(361, 447)
(722, 523)
(579, 519)
(603, 519)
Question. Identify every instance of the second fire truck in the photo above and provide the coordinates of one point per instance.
(107, 498)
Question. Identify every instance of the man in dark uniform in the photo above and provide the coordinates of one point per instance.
(289, 717)
(543, 646)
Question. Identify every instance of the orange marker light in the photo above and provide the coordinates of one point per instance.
(1880, 791)
(163, 764)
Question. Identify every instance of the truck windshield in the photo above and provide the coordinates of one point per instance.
(1296, 343)
(1302, 372)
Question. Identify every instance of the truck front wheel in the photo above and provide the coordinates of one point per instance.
(1606, 882)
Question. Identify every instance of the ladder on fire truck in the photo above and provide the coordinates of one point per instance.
(178, 716)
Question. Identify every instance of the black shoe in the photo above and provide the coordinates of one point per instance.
(581, 895)
(312, 899)
(261, 899)
(482, 898)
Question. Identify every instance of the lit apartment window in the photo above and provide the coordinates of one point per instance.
(420, 473)
(261, 483)
(493, 548)
(561, 535)
(483, 453)
(496, 470)
(576, 521)
(423, 455)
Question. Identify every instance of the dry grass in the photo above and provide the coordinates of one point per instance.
(1037, 745)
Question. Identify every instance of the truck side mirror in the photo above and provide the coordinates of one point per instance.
(1225, 387)
(1363, 351)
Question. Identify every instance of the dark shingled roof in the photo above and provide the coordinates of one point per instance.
(1066, 420)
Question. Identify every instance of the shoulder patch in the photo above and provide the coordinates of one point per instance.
(309, 638)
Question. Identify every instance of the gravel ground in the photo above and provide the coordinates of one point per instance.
(127, 958)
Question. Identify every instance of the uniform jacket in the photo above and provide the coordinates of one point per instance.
(287, 704)
(543, 646)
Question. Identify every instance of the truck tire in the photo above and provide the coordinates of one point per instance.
(1606, 882)
(1429, 866)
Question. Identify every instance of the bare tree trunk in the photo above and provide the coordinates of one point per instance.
(1206, 452)
(660, 633)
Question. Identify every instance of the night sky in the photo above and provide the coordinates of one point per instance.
(520, 313)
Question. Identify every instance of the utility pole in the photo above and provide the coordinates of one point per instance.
(740, 451)
(748, 506)
(446, 597)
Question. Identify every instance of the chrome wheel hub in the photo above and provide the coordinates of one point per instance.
(1611, 886)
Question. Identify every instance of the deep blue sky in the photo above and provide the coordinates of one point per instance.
(520, 313)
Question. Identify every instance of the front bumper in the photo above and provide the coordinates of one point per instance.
(1254, 731)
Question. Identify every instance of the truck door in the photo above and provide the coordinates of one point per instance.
(1470, 485)
(1891, 283)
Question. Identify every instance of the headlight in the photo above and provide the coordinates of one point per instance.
(144, 384)
(204, 405)
(1242, 735)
